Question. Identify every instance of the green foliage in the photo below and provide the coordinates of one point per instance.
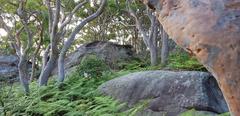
(194, 112)
(225, 114)
(133, 64)
(76, 96)
(92, 66)
(68, 5)
(105, 106)
(178, 60)
(7, 7)
(5, 46)
(138, 108)
(35, 5)
(182, 60)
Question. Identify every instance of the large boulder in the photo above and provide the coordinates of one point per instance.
(209, 29)
(109, 52)
(8, 67)
(169, 92)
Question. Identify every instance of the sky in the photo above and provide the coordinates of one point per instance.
(2, 33)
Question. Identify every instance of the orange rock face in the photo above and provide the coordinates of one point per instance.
(209, 29)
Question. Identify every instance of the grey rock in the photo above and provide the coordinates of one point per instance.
(169, 92)
(110, 52)
(9, 60)
(8, 67)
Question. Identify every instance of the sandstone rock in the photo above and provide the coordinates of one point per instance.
(110, 52)
(209, 29)
(169, 92)
(8, 67)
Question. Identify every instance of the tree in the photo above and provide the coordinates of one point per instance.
(58, 33)
(165, 47)
(68, 43)
(149, 37)
(22, 39)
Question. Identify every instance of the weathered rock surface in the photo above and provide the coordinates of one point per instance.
(169, 92)
(8, 67)
(110, 52)
(209, 29)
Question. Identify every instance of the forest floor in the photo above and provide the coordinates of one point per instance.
(78, 96)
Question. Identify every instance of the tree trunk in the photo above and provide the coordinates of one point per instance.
(33, 68)
(165, 48)
(61, 71)
(23, 74)
(153, 54)
(46, 72)
(70, 40)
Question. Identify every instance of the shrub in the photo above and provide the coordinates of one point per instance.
(194, 112)
(132, 65)
(92, 66)
(182, 60)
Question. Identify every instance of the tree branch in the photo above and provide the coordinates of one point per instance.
(23, 17)
(50, 16)
(10, 36)
(68, 43)
(69, 17)
(138, 23)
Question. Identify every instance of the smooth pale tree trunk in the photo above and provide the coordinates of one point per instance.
(23, 74)
(46, 72)
(45, 57)
(153, 54)
(70, 40)
(153, 42)
(149, 37)
(54, 18)
(165, 48)
(33, 69)
(61, 71)
(35, 54)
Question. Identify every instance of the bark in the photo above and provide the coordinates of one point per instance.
(153, 53)
(23, 74)
(53, 27)
(47, 70)
(149, 38)
(212, 36)
(33, 69)
(61, 71)
(36, 52)
(153, 40)
(165, 48)
(45, 57)
(23, 62)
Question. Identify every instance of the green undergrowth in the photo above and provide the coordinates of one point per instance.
(92, 66)
(176, 61)
(183, 61)
(194, 112)
(77, 96)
